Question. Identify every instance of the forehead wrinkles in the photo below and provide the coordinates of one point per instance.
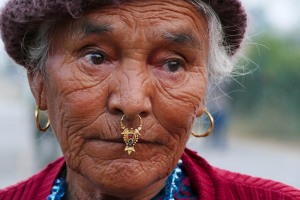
(133, 13)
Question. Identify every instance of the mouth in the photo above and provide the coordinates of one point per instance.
(110, 140)
(120, 140)
(117, 140)
(117, 146)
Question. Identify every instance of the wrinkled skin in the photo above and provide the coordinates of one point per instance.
(140, 61)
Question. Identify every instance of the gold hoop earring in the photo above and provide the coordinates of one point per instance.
(130, 136)
(38, 125)
(211, 127)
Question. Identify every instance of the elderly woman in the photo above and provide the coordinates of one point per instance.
(123, 82)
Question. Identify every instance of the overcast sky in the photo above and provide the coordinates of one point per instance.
(282, 14)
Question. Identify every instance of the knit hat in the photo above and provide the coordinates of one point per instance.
(19, 18)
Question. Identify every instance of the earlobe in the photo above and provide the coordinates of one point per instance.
(37, 87)
(200, 109)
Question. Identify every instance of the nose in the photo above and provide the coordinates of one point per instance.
(131, 94)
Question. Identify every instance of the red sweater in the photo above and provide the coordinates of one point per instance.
(210, 183)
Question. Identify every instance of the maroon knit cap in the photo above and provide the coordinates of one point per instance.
(19, 18)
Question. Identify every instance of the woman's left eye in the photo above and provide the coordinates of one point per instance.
(96, 58)
(174, 65)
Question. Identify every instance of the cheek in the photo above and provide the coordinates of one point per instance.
(74, 104)
(176, 108)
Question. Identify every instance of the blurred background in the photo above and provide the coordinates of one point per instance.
(257, 116)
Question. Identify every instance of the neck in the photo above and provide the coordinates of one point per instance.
(80, 188)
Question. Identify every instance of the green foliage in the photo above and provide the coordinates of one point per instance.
(276, 54)
(271, 98)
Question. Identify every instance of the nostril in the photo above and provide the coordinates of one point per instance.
(118, 111)
(143, 114)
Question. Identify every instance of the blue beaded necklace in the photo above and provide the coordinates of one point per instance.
(59, 188)
(173, 180)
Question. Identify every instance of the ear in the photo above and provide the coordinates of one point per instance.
(200, 109)
(37, 87)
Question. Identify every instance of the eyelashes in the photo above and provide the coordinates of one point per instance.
(173, 65)
(95, 58)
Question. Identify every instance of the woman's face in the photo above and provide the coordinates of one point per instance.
(144, 58)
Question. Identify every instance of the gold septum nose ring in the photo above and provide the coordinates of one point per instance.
(130, 136)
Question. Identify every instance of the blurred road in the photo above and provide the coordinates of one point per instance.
(270, 160)
(16, 145)
(18, 158)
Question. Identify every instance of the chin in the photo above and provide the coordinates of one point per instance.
(125, 177)
(108, 168)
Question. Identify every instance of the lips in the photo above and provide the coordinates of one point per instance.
(119, 140)
(112, 140)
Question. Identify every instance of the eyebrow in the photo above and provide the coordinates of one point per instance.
(182, 38)
(87, 28)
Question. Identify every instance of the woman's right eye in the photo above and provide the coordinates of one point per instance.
(95, 58)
